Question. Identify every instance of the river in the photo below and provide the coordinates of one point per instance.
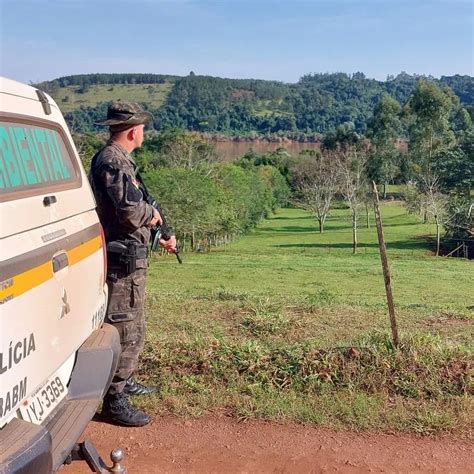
(229, 150)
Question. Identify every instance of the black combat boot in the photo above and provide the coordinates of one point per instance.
(132, 387)
(117, 409)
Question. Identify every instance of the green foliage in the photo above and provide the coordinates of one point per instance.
(455, 167)
(102, 78)
(208, 203)
(384, 130)
(344, 136)
(316, 104)
(195, 203)
(441, 151)
(385, 125)
(462, 217)
(249, 191)
(83, 120)
(87, 146)
(429, 109)
(439, 129)
(277, 184)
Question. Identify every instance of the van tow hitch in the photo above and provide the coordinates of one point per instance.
(86, 452)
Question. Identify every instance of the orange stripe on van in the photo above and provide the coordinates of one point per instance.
(34, 277)
(82, 251)
(26, 281)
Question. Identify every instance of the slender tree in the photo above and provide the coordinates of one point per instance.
(436, 205)
(353, 179)
(430, 133)
(316, 182)
(384, 130)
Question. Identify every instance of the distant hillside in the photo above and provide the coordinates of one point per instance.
(315, 104)
(69, 98)
(90, 90)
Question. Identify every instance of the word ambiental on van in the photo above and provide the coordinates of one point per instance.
(16, 352)
(12, 397)
(30, 156)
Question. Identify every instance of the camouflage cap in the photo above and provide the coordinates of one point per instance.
(125, 114)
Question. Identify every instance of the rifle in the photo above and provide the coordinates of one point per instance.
(162, 231)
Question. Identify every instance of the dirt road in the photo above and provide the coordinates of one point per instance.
(221, 444)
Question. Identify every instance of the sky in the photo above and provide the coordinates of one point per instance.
(262, 39)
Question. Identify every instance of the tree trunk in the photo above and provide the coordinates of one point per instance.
(438, 237)
(321, 225)
(385, 190)
(354, 232)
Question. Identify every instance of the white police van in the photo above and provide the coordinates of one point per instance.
(57, 357)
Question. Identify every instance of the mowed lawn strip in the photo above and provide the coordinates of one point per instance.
(286, 324)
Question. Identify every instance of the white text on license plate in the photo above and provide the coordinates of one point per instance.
(37, 408)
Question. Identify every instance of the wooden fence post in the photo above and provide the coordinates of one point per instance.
(385, 266)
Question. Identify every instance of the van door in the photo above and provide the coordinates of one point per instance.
(51, 261)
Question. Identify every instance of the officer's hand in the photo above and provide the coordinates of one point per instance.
(156, 219)
(169, 245)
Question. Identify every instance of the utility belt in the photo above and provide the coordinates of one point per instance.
(126, 253)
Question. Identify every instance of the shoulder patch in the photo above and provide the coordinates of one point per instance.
(133, 193)
(135, 182)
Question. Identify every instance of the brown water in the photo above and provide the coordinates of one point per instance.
(229, 150)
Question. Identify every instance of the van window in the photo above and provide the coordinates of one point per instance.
(33, 159)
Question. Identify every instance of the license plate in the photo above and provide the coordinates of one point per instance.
(43, 402)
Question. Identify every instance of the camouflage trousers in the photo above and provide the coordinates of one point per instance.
(126, 312)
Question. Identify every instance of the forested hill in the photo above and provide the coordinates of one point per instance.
(315, 104)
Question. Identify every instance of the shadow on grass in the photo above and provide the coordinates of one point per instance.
(402, 224)
(419, 244)
(289, 218)
(329, 226)
(292, 229)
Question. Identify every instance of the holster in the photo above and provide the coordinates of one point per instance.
(125, 254)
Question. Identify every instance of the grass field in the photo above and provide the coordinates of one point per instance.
(68, 98)
(287, 324)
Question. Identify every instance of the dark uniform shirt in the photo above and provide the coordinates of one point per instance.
(122, 211)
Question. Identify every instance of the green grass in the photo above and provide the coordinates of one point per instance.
(267, 108)
(152, 94)
(287, 324)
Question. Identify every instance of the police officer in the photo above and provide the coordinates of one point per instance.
(127, 219)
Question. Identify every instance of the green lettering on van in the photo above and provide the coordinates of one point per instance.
(12, 170)
(16, 155)
(60, 168)
(31, 156)
(4, 177)
(66, 169)
(42, 144)
(39, 164)
(24, 155)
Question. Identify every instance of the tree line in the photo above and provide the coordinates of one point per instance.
(86, 80)
(316, 104)
(437, 165)
(210, 202)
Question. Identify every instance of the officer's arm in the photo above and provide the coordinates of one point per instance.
(132, 211)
